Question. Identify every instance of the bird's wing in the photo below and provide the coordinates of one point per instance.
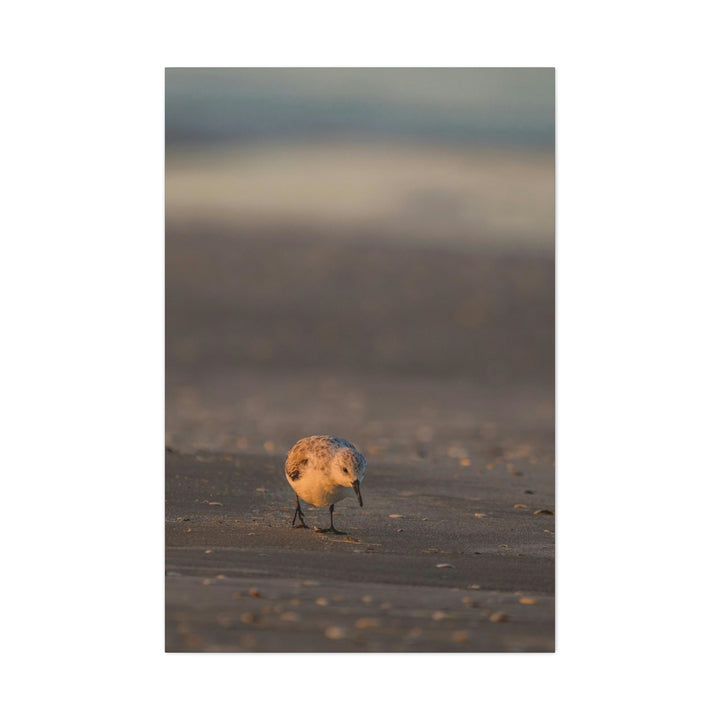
(294, 464)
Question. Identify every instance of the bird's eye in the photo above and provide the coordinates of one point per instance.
(344, 470)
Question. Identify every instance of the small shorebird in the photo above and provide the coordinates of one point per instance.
(322, 470)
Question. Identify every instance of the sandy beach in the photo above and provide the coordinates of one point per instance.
(404, 310)
(444, 556)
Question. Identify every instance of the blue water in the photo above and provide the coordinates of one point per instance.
(507, 107)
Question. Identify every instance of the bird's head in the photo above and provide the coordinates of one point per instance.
(349, 470)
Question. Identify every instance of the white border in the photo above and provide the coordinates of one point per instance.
(637, 357)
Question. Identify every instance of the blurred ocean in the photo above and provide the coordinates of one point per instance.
(503, 107)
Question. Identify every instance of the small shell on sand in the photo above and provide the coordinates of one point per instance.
(254, 592)
(499, 617)
(543, 512)
(444, 565)
(460, 636)
(527, 601)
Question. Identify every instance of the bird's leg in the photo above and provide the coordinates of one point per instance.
(331, 529)
(298, 513)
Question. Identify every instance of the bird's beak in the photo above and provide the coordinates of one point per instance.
(356, 488)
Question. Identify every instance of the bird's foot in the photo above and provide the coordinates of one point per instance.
(301, 525)
(329, 530)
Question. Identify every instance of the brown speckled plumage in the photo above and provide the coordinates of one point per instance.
(324, 469)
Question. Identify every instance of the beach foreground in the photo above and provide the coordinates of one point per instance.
(446, 555)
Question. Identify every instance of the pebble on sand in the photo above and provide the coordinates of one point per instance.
(460, 636)
(444, 565)
(543, 512)
(396, 516)
(527, 601)
(366, 623)
(519, 506)
(290, 617)
(254, 592)
(440, 615)
(334, 632)
(321, 601)
(499, 617)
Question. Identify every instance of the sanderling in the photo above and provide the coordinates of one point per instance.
(322, 470)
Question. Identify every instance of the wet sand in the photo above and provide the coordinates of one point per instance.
(240, 579)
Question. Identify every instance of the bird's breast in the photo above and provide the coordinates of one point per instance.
(315, 488)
